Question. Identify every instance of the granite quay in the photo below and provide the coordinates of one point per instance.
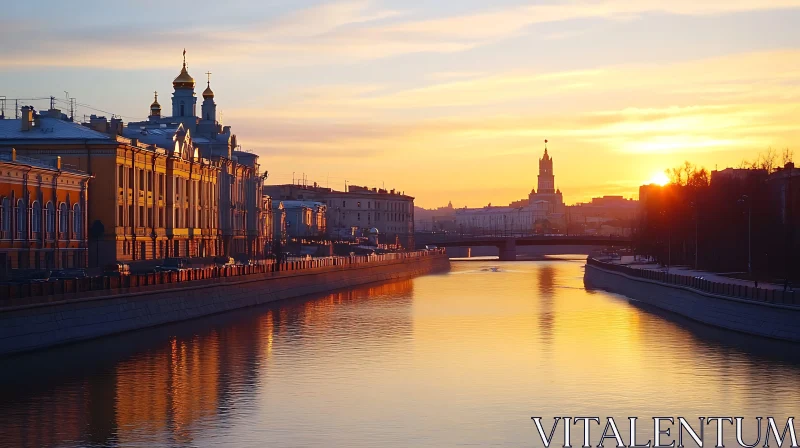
(36, 316)
(768, 312)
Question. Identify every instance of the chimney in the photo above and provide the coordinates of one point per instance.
(26, 123)
(99, 124)
(116, 126)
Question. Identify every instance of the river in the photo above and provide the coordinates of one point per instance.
(458, 359)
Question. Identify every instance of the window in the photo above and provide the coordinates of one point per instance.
(141, 179)
(359, 216)
(358, 204)
(5, 215)
(120, 216)
(183, 109)
(63, 221)
(344, 203)
(369, 204)
(77, 221)
(51, 217)
(121, 175)
(36, 217)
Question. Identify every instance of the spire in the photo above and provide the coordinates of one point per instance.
(183, 80)
(155, 108)
(208, 93)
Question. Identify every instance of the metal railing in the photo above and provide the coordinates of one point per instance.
(71, 289)
(733, 290)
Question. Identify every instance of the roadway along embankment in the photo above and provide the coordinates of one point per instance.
(47, 324)
(761, 312)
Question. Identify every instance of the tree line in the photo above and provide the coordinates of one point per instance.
(740, 220)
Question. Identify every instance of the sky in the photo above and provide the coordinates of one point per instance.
(444, 100)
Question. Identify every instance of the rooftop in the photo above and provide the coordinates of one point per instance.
(49, 129)
(7, 156)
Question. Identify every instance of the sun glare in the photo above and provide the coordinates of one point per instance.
(659, 179)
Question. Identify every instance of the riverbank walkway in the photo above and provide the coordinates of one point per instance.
(630, 261)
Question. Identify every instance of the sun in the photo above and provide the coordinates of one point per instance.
(659, 179)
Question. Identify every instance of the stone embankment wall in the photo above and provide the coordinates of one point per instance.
(761, 312)
(49, 323)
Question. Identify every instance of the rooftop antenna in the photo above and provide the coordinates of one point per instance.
(2, 107)
(71, 106)
(52, 102)
(16, 109)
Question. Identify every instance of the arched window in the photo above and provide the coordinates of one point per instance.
(51, 217)
(183, 109)
(77, 221)
(63, 218)
(36, 217)
(22, 219)
(5, 215)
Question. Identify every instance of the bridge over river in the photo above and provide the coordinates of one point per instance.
(507, 245)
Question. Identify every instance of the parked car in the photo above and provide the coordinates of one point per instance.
(117, 270)
(69, 274)
(173, 264)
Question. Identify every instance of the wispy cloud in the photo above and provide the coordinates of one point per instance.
(325, 33)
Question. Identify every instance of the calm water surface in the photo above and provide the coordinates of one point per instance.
(459, 359)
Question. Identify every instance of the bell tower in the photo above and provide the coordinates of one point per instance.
(184, 101)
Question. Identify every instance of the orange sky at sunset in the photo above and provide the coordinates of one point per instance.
(450, 101)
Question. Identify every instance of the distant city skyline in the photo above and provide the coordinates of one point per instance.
(449, 101)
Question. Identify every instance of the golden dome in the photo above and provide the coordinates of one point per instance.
(184, 80)
(155, 104)
(208, 93)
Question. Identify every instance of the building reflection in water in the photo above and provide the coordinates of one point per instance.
(546, 276)
(166, 384)
(457, 359)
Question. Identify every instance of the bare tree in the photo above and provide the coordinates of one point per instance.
(787, 156)
(688, 174)
(767, 160)
(699, 178)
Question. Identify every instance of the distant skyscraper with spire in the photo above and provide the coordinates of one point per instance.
(547, 199)
(546, 178)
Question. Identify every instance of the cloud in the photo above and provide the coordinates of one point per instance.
(328, 33)
(633, 122)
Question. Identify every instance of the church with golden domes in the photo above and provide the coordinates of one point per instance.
(206, 140)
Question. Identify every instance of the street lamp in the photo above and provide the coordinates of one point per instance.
(696, 244)
(669, 241)
(742, 200)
